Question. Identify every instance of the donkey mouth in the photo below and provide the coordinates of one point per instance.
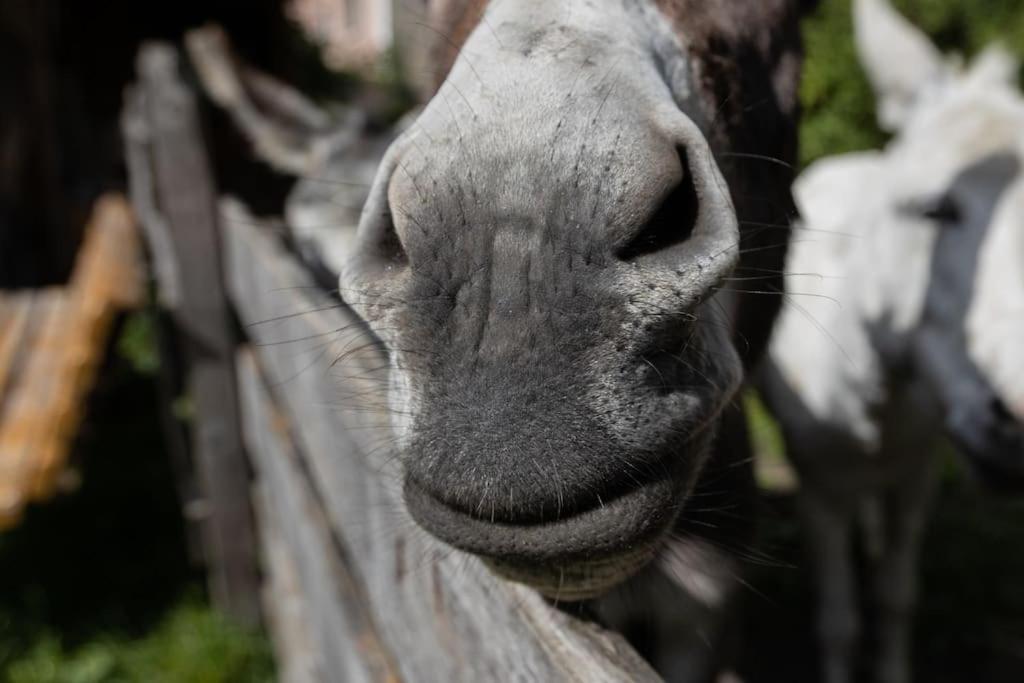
(568, 558)
(579, 580)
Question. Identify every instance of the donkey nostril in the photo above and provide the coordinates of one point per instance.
(661, 371)
(389, 245)
(671, 224)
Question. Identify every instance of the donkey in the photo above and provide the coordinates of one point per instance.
(545, 253)
(904, 314)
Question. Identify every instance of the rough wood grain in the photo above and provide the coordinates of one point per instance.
(285, 607)
(345, 644)
(441, 612)
(185, 196)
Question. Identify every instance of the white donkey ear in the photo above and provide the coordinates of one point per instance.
(900, 60)
(995, 66)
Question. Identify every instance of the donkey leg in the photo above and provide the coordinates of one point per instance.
(895, 574)
(829, 530)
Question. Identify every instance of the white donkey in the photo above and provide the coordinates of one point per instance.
(904, 320)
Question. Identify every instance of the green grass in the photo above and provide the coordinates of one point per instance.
(190, 643)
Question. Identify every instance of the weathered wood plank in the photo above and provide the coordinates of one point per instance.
(282, 125)
(15, 336)
(63, 335)
(285, 609)
(163, 267)
(441, 612)
(107, 279)
(34, 409)
(345, 646)
(186, 198)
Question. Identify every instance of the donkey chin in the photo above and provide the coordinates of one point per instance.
(569, 496)
(571, 557)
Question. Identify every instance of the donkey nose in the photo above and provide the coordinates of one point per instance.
(691, 240)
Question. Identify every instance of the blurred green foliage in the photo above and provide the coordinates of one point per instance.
(838, 103)
(137, 342)
(771, 469)
(191, 644)
(838, 107)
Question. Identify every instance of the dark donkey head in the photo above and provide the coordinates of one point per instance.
(541, 255)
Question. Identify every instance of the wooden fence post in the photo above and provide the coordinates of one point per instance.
(183, 220)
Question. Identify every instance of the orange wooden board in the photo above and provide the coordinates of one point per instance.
(51, 343)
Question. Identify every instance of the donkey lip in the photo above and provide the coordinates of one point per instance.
(620, 528)
(580, 580)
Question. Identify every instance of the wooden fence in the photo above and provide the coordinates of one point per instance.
(297, 479)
